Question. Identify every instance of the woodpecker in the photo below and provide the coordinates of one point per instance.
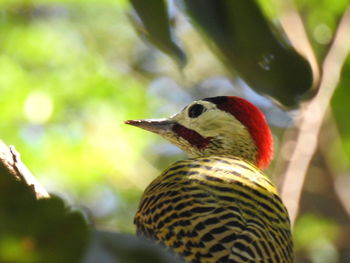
(216, 206)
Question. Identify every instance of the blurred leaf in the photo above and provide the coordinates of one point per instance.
(321, 20)
(310, 228)
(152, 21)
(340, 106)
(247, 43)
(11, 2)
(111, 247)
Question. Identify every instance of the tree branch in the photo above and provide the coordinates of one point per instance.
(310, 119)
(12, 168)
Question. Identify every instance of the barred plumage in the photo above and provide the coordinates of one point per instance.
(217, 206)
(216, 209)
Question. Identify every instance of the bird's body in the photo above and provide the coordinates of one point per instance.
(216, 209)
(217, 206)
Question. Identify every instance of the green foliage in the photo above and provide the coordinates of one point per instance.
(315, 236)
(64, 96)
(321, 20)
(318, 228)
(340, 104)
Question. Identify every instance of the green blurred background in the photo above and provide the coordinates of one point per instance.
(72, 71)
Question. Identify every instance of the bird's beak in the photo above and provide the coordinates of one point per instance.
(159, 126)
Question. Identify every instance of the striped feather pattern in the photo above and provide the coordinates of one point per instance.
(216, 209)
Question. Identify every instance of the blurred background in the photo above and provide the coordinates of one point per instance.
(72, 71)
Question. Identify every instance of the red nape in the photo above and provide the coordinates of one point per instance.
(251, 117)
(191, 136)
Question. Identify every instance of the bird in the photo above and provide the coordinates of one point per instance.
(217, 205)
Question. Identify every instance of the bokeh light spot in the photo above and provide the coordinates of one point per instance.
(323, 34)
(38, 107)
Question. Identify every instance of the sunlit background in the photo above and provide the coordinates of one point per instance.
(72, 71)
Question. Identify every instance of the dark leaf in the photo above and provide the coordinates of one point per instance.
(248, 44)
(152, 20)
(111, 247)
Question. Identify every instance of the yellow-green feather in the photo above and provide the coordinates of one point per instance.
(216, 209)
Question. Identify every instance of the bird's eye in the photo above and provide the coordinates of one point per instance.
(195, 110)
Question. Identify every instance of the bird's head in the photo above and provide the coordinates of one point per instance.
(224, 125)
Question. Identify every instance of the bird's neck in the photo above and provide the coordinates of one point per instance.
(242, 148)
